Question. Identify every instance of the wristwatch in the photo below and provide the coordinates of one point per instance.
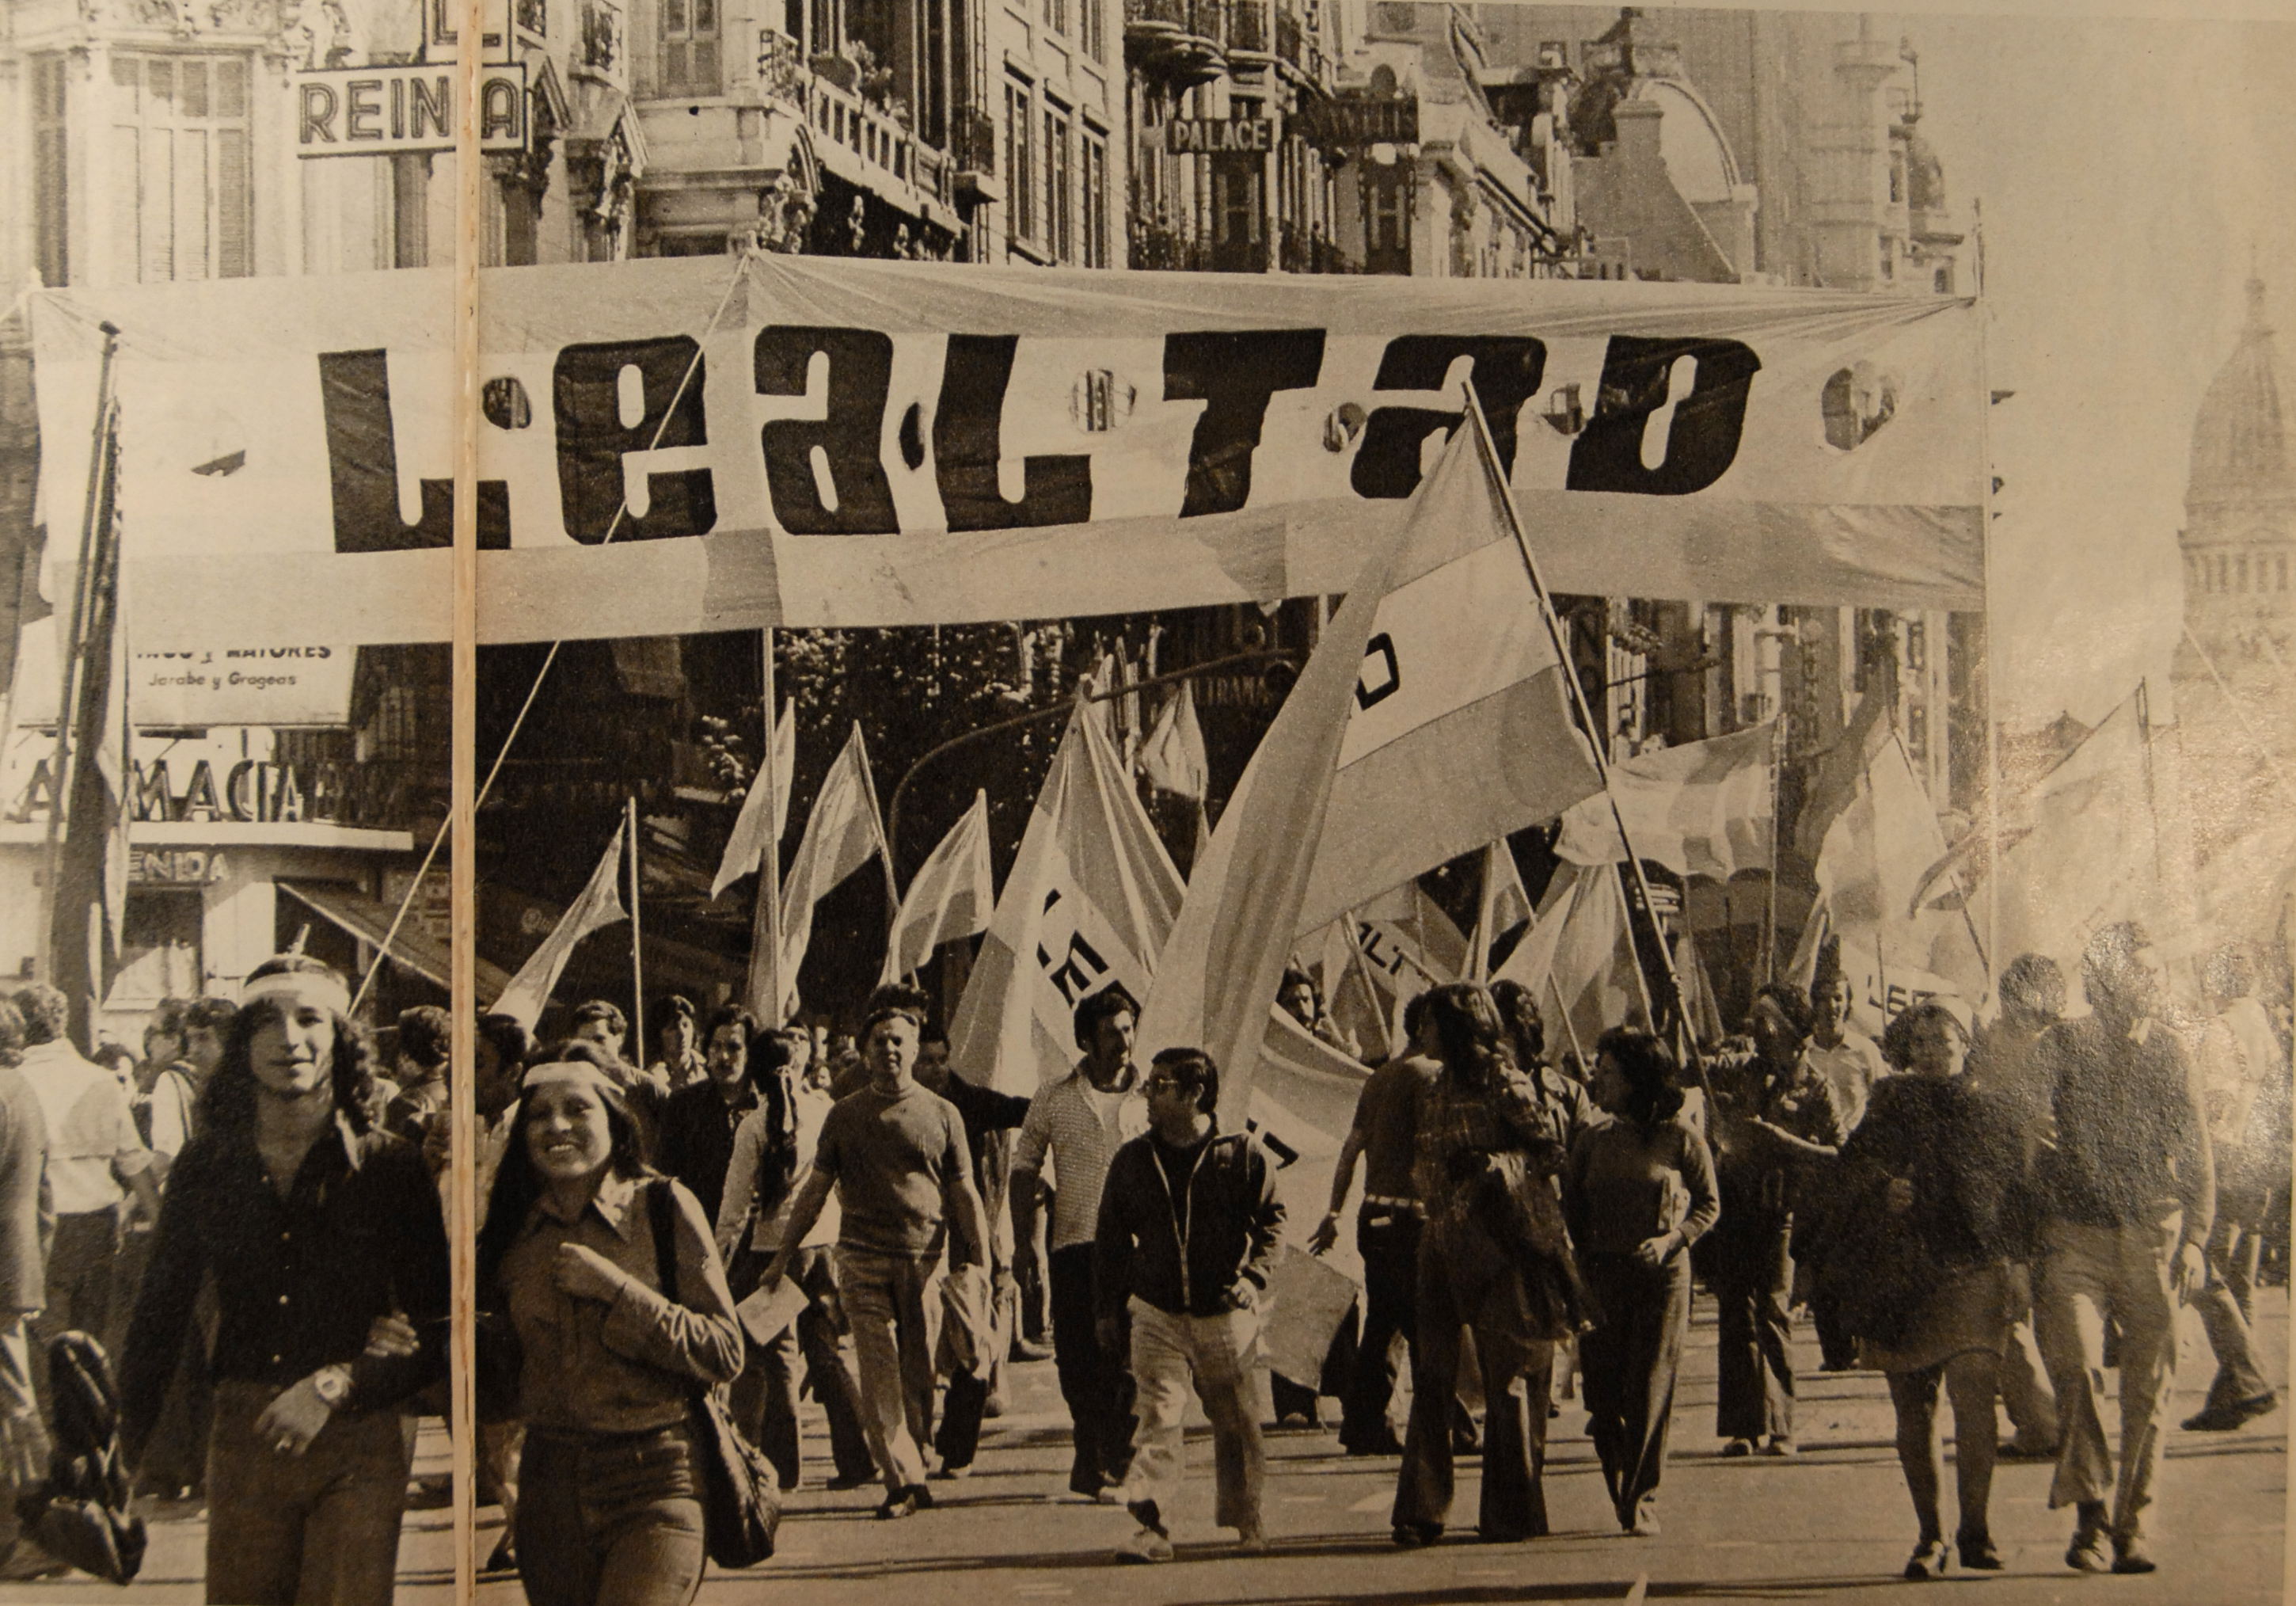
(332, 1384)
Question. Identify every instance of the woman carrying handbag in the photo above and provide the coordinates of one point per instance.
(610, 1281)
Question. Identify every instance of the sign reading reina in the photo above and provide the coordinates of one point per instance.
(383, 110)
(1206, 136)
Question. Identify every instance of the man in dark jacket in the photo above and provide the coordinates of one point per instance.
(1187, 1229)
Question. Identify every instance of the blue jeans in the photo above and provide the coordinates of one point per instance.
(610, 1518)
(315, 1529)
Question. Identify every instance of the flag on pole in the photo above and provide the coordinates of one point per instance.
(91, 871)
(599, 907)
(1872, 874)
(1172, 757)
(1505, 904)
(1579, 957)
(1355, 1001)
(1088, 904)
(745, 848)
(843, 833)
(1407, 938)
(1432, 718)
(1702, 809)
(2087, 846)
(950, 897)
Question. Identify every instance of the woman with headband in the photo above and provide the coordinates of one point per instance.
(611, 1283)
(311, 1227)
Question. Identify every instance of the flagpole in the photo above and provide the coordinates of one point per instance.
(99, 470)
(1777, 846)
(1594, 741)
(765, 919)
(1569, 1029)
(637, 961)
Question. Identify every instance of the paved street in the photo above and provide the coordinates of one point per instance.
(1833, 1525)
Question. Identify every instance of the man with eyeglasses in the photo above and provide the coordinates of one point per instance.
(1187, 1226)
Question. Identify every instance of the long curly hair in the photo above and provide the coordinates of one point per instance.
(1470, 1038)
(228, 1102)
(1519, 1012)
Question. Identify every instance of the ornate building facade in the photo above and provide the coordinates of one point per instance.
(2231, 675)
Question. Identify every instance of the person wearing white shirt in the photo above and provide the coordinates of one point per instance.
(95, 1161)
(1081, 1121)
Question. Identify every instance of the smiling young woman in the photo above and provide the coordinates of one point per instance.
(609, 1509)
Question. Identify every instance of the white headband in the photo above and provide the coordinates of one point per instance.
(323, 988)
(573, 1072)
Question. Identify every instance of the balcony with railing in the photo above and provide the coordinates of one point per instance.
(598, 47)
(972, 152)
(1250, 32)
(1158, 245)
(860, 133)
(1183, 42)
(1300, 51)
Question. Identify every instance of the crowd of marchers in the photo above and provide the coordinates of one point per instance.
(250, 1220)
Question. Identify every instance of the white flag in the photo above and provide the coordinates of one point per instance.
(1872, 874)
(1088, 904)
(745, 849)
(1172, 758)
(1504, 905)
(842, 834)
(1432, 718)
(1702, 809)
(599, 906)
(951, 897)
(1579, 961)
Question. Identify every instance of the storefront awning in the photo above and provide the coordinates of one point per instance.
(369, 921)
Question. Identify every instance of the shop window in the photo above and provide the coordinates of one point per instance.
(51, 165)
(182, 193)
(689, 47)
(160, 949)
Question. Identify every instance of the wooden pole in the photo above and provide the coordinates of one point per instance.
(637, 959)
(766, 922)
(1595, 742)
(96, 507)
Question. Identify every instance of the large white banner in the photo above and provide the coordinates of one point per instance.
(887, 443)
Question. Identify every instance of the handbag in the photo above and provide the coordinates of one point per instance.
(741, 1491)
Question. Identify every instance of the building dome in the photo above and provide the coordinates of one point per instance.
(2239, 441)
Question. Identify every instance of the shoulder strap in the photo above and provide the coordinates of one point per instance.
(661, 1215)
